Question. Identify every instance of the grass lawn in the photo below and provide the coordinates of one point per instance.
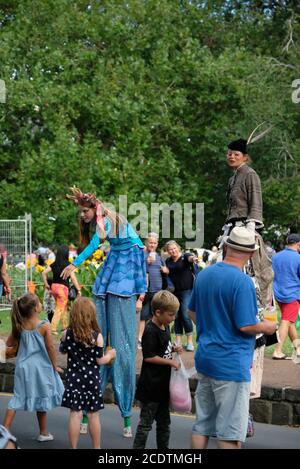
(287, 348)
(5, 325)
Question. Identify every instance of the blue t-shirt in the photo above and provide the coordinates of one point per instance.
(125, 239)
(224, 300)
(286, 266)
(155, 275)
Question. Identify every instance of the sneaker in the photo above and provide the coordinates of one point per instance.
(42, 438)
(127, 432)
(83, 428)
(279, 357)
(139, 346)
(190, 348)
(296, 357)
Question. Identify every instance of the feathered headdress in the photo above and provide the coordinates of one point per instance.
(89, 199)
(79, 198)
(241, 144)
(254, 138)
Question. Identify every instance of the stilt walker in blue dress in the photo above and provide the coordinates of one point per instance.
(118, 291)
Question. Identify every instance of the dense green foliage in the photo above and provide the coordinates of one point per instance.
(140, 97)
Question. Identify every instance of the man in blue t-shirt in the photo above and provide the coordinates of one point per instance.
(286, 266)
(223, 307)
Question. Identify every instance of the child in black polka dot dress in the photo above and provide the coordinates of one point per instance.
(83, 343)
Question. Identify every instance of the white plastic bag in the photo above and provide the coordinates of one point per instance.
(180, 395)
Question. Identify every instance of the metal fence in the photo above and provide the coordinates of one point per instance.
(15, 236)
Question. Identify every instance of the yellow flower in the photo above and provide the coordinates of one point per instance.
(98, 254)
(49, 261)
(30, 261)
(39, 268)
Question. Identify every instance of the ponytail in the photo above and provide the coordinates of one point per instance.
(22, 309)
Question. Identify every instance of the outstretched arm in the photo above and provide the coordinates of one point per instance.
(265, 327)
(44, 277)
(86, 253)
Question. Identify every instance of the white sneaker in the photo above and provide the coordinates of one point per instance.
(127, 432)
(42, 438)
(83, 428)
(189, 348)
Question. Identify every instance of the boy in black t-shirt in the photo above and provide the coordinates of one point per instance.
(153, 385)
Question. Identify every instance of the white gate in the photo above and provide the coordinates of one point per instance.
(15, 236)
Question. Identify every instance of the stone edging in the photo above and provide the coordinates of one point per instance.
(278, 406)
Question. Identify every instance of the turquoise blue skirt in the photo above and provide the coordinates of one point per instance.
(123, 273)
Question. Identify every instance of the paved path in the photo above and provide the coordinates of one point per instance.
(25, 428)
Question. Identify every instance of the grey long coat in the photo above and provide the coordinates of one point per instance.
(244, 196)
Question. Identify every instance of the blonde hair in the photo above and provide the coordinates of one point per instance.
(83, 320)
(248, 158)
(22, 309)
(170, 243)
(164, 301)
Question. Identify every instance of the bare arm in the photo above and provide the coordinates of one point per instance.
(162, 361)
(192, 258)
(165, 269)
(192, 315)
(6, 280)
(75, 282)
(108, 356)
(11, 341)
(62, 340)
(45, 331)
(5, 276)
(67, 271)
(44, 277)
(263, 327)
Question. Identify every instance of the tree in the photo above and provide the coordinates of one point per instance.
(140, 98)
